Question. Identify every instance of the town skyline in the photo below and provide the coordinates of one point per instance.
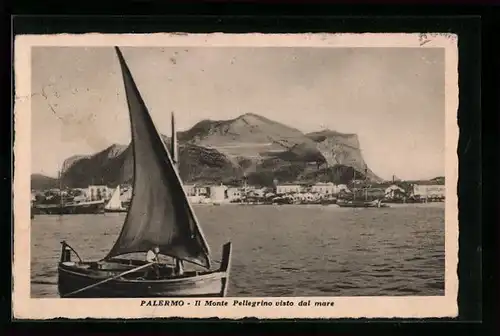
(83, 111)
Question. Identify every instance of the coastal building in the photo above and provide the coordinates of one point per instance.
(394, 191)
(429, 190)
(99, 192)
(288, 188)
(201, 190)
(125, 194)
(343, 188)
(324, 188)
(190, 189)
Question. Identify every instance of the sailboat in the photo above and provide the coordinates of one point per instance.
(115, 204)
(360, 203)
(160, 216)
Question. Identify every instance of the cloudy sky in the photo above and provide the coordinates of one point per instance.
(393, 98)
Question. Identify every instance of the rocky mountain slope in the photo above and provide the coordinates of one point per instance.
(42, 182)
(248, 147)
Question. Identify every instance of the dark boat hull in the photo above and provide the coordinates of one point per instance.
(75, 276)
(73, 209)
(115, 210)
(360, 204)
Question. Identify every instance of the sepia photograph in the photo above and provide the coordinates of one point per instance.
(277, 176)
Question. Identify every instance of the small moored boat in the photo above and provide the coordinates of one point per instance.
(160, 216)
(72, 208)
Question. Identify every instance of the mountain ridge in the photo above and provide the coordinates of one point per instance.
(250, 147)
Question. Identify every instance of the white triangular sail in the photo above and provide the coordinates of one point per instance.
(160, 213)
(114, 202)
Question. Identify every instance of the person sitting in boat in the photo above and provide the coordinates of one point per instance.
(179, 269)
(152, 257)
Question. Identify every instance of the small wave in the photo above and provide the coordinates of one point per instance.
(435, 285)
(290, 269)
(346, 286)
(383, 275)
(362, 249)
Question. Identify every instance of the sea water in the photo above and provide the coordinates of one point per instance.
(288, 250)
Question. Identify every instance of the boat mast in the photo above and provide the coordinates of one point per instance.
(61, 200)
(175, 155)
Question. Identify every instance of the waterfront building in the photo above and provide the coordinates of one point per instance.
(325, 188)
(288, 188)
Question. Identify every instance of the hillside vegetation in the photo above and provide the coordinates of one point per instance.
(227, 151)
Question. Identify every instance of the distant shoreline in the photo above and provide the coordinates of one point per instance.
(390, 205)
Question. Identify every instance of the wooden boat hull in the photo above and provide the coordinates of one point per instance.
(115, 210)
(75, 276)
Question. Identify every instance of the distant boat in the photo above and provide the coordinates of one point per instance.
(160, 215)
(115, 204)
(64, 207)
(71, 208)
(328, 201)
(360, 202)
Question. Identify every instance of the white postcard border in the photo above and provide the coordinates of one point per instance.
(25, 307)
